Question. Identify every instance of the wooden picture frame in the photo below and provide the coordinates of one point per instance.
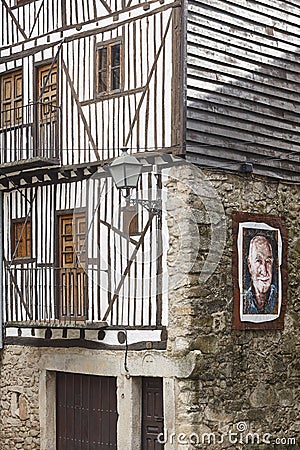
(259, 271)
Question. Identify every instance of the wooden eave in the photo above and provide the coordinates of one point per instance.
(31, 172)
(28, 164)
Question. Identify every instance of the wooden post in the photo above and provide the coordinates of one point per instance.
(1, 270)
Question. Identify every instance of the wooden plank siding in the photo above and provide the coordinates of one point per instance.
(242, 75)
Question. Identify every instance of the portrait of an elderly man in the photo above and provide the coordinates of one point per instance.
(261, 296)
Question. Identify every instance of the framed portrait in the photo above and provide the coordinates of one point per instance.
(259, 271)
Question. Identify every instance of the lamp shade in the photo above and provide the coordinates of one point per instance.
(125, 171)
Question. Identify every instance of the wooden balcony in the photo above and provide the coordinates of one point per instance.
(60, 297)
(29, 137)
(46, 295)
(54, 306)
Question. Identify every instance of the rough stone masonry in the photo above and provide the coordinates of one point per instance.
(245, 379)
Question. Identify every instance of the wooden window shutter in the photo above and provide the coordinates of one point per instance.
(11, 98)
(130, 220)
(22, 239)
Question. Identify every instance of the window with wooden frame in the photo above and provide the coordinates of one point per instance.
(21, 239)
(11, 99)
(109, 67)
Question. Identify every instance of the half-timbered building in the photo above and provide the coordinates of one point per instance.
(110, 344)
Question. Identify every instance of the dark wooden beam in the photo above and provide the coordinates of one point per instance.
(82, 343)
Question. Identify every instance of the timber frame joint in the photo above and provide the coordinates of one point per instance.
(153, 206)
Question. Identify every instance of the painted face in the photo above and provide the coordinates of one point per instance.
(260, 264)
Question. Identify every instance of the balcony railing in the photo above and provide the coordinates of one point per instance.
(46, 294)
(30, 131)
(58, 296)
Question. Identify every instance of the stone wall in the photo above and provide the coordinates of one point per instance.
(19, 389)
(246, 381)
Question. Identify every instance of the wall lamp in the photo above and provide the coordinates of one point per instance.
(125, 171)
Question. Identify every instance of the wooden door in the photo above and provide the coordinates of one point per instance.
(72, 262)
(47, 112)
(11, 99)
(86, 412)
(152, 413)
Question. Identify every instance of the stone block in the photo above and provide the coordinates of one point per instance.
(263, 396)
(23, 408)
(286, 397)
(206, 344)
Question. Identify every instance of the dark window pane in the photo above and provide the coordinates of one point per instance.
(115, 55)
(102, 82)
(103, 59)
(115, 79)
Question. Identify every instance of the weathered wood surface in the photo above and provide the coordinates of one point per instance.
(242, 85)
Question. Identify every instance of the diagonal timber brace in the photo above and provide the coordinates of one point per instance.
(20, 294)
(129, 264)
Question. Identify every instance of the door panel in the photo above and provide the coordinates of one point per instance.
(152, 413)
(48, 99)
(86, 412)
(47, 132)
(72, 260)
